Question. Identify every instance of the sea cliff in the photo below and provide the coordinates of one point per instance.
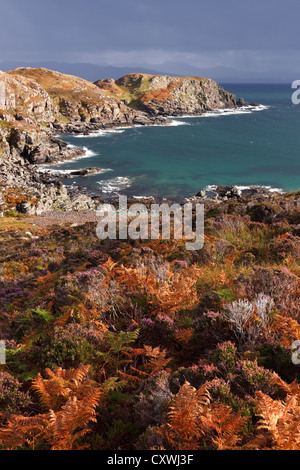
(36, 105)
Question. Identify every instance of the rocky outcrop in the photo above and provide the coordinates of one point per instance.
(226, 192)
(86, 172)
(38, 104)
(78, 104)
(40, 192)
(169, 96)
(82, 173)
(38, 146)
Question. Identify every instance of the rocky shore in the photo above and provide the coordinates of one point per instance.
(37, 105)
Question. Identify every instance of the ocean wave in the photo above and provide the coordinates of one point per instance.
(100, 133)
(171, 124)
(49, 168)
(260, 107)
(222, 112)
(87, 154)
(185, 116)
(213, 187)
(230, 112)
(56, 171)
(178, 123)
(50, 171)
(106, 133)
(115, 184)
(130, 126)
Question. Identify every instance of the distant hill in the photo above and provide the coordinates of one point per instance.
(220, 74)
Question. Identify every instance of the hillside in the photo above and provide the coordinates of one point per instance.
(168, 96)
(143, 345)
(36, 104)
(75, 101)
(131, 344)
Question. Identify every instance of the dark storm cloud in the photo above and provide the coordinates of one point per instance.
(153, 31)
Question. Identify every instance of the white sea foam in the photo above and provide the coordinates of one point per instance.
(115, 184)
(105, 133)
(260, 107)
(224, 112)
(49, 168)
(230, 112)
(185, 116)
(171, 124)
(121, 129)
(100, 133)
(212, 188)
(50, 171)
(130, 126)
(88, 153)
(178, 123)
(55, 171)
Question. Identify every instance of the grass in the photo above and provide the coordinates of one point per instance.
(20, 224)
(60, 86)
(66, 290)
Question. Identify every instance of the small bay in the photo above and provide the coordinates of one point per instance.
(259, 147)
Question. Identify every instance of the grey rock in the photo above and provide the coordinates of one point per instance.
(227, 191)
(26, 208)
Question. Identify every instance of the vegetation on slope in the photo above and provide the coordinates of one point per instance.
(144, 345)
(67, 92)
(59, 85)
(155, 93)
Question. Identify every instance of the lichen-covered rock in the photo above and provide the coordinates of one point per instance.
(164, 95)
(36, 104)
(75, 100)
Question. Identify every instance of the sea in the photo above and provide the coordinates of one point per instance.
(244, 147)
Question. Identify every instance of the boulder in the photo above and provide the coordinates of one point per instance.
(241, 102)
(202, 193)
(86, 172)
(26, 208)
(227, 191)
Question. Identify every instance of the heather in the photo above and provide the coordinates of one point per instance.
(144, 345)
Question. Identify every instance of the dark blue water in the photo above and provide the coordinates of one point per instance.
(254, 148)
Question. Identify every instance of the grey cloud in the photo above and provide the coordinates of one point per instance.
(263, 33)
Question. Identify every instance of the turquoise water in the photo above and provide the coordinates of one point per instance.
(254, 148)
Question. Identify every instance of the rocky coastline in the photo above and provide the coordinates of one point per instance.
(38, 105)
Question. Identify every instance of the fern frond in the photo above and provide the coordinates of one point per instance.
(23, 432)
(278, 426)
(68, 425)
(184, 335)
(157, 359)
(228, 426)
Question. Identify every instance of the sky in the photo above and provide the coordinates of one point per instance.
(259, 35)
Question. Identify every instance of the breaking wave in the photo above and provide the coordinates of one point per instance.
(115, 184)
(230, 112)
(100, 133)
(212, 188)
